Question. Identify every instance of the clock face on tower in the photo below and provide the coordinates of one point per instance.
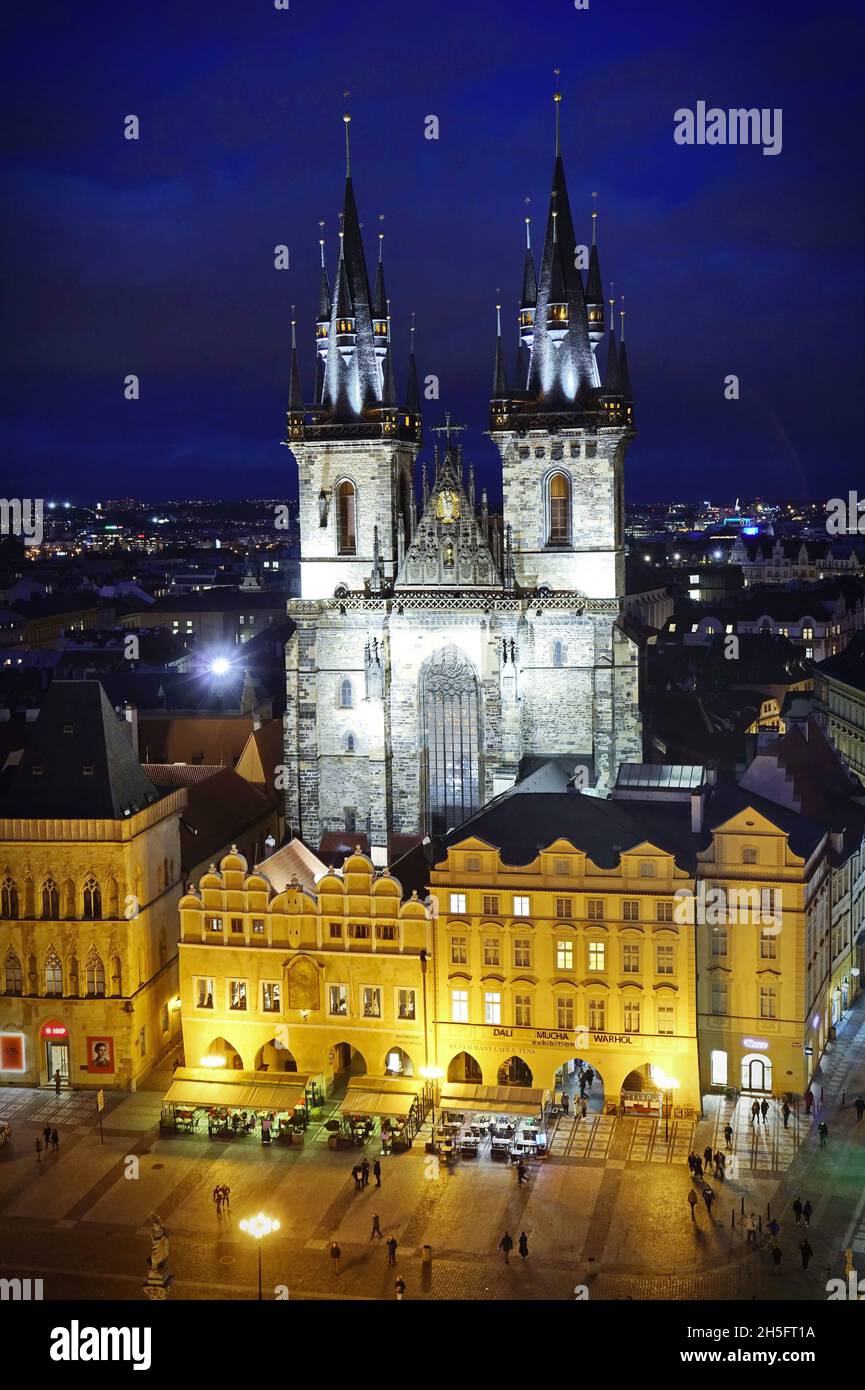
(448, 506)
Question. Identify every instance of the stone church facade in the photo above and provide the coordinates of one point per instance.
(441, 654)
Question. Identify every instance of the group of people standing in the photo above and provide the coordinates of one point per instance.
(361, 1171)
(50, 1140)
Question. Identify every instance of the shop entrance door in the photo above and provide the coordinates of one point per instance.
(58, 1060)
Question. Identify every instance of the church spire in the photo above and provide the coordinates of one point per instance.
(412, 392)
(352, 373)
(295, 392)
(500, 384)
(611, 375)
(595, 286)
(624, 372)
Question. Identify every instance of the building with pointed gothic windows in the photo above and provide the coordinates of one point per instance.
(439, 656)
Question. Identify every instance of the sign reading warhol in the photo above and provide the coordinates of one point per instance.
(738, 126)
(722, 907)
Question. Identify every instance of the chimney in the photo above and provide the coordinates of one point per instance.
(696, 812)
(130, 714)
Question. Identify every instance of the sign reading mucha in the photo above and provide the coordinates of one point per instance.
(448, 506)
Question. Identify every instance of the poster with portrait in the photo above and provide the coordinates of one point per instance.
(100, 1055)
(12, 1052)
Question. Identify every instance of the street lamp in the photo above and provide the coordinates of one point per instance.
(259, 1227)
(665, 1084)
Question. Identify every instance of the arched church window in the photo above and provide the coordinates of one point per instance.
(8, 897)
(13, 982)
(50, 899)
(53, 974)
(94, 977)
(558, 654)
(346, 519)
(350, 743)
(92, 899)
(346, 697)
(559, 510)
(450, 739)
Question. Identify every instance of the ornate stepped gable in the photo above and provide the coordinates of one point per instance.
(449, 546)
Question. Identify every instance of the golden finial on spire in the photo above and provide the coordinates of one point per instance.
(293, 322)
(612, 303)
(380, 236)
(622, 317)
(557, 98)
(321, 239)
(528, 221)
(594, 223)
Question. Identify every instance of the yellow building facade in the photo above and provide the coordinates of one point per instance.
(88, 946)
(330, 982)
(537, 964)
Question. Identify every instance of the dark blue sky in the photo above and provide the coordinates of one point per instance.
(156, 257)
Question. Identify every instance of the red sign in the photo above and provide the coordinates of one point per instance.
(12, 1052)
(57, 1032)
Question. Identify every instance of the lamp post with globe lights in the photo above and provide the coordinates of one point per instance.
(258, 1227)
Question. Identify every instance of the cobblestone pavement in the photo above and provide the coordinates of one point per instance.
(613, 1192)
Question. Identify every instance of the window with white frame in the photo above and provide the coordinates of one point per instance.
(631, 959)
(405, 1004)
(768, 1001)
(337, 1000)
(564, 907)
(522, 1010)
(666, 1020)
(663, 912)
(719, 997)
(522, 907)
(597, 955)
(749, 855)
(522, 952)
(768, 944)
(492, 1007)
(271, 992)
(491, 905)
(459, 950)
(203, 988)
(718, 1072)
(460, 1005)
(632, 1015)
(458, 902)
(597, 1015)
(664, 960)
(595, 909)
(564, 955)
(492, 951)
(647, 869)
(719, 941)
(214, 924)
(631, 910)
(564, 1011)
(371, 1001)
(237, 996)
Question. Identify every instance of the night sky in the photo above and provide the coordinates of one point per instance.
(155, 257)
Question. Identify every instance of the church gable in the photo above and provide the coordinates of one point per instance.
(449, 548)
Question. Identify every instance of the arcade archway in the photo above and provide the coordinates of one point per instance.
(398, 1063)
(274, 1056)
(347, 1061)
(221, 1053)
(580, 1080)
(465, 1067)
(514, 1072)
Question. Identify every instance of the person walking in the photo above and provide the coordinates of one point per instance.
(708, 1198)
(391, 1250)
(46, 1135)
(226, 1196)
(805, 1251)
(376, 1172)
(217, 1200)
(728, 1136)
(785, 1111)
(399, 1285)
(707, 1157)
(776, 1259)
(564, 1102)
(583, 1108)
(751, 1228)
(55, 1141)
(755, 1112)
(336, 1257)
(506, 1244)
(58, 1081)
(764, 1109)
(523, 1246)
(823, 1131)
(720, 1162)
(698, 1168)
(692, 1202)
(364, 1168)
(860, 1108)
(809, 1100)
(806, 1213)
(522, 1174)
(376, 1228)
(38, 1150)
(590, 1078)
(774, 1229)
(357, 1174)
(797, 1210)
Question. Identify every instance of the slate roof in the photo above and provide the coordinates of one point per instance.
(79, 763)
